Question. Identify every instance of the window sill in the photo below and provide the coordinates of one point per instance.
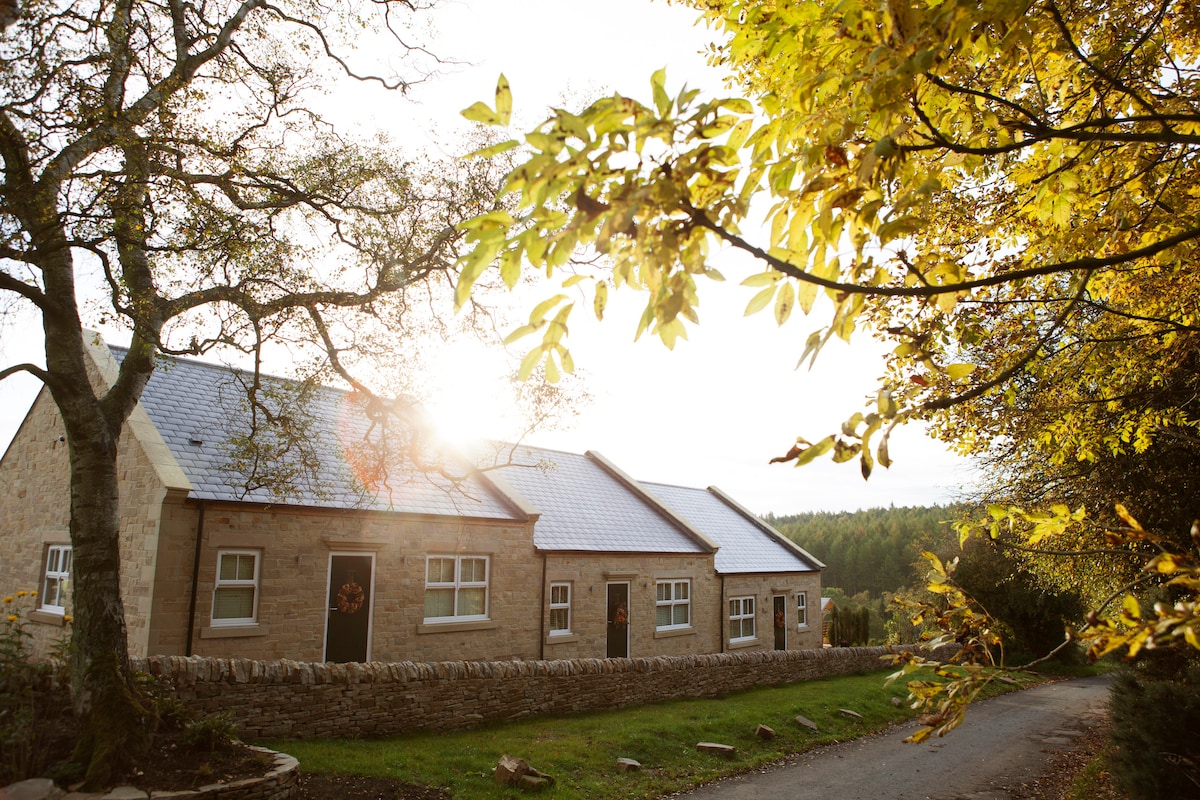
(740, 643)
(234, 631)
(667, 634)
(454, 627)
(562, 638)
(48, 618)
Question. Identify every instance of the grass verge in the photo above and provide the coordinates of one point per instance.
(580, 751)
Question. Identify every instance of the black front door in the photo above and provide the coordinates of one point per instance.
(348, 622)
(618, 620)
(779, 607)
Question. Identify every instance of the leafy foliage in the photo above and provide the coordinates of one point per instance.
(211, 731)
(24, 699)
(1156, 730)
(1032, 613)
(1007, 191)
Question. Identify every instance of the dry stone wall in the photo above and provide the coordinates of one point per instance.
(294, 699)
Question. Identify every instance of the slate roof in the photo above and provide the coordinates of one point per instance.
(586, 506)
(747, 544)
(200, 408)
(582, 503)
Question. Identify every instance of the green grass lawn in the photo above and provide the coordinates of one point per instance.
(580, 751)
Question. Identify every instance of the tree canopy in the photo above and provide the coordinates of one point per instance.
(167, 168)
(1007, 191)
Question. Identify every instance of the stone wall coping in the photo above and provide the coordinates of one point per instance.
(191, 670)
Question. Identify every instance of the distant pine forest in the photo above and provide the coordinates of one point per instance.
(875, 551)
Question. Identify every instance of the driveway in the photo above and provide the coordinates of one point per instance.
(1004, 741)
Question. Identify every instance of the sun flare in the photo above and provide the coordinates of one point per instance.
(469, 396)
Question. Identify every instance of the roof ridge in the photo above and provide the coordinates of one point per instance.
(655, 502)
(764, 526)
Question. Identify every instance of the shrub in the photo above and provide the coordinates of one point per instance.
(1156, 728)
(210, 732)
(22, 696)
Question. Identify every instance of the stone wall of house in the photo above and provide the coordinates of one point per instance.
(295, 545)
(298, 700)
(589, 576)
(34, 507)
(764, 589)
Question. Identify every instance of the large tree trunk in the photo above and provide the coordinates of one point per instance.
(113, 716)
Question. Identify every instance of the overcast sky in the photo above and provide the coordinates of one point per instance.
(717, 408)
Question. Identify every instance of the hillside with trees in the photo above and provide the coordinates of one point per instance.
(874, 551)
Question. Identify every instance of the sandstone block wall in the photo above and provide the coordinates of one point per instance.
(295, 546)
(589, 576)
(35, 513)
(764, 589)
(298, 700)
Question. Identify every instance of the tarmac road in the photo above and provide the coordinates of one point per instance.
(1003, 742)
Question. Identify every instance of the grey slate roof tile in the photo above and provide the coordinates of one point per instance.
(583, 505)
(746, 546)
(199, 408)
(585, 508)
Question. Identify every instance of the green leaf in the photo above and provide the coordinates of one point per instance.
(958, 372)
(738, 105)
(510, 267)
(503, 100)
(520, 332)
(493, 149)
(935, 563)
(529, 363)
(886, 404)
(658, 83)
(760, 301)
(819, 449)
(538, 315)
(480, 112)
(784, 301)
(768, 278)
(739, 134)
(882, 453)
(601, 301)
(806, 295)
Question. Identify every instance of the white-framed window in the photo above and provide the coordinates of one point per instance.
(673, 605)
(560, 609)
(235, 594)
(741, 619)
(801, 610)
(56, 583)
(456, 588)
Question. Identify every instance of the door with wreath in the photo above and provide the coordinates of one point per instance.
(348, 620)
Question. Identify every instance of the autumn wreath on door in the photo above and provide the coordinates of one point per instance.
(350, 598)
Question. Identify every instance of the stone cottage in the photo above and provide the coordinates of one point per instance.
(332, 542)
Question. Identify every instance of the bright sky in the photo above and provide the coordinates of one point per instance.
(717, 408)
